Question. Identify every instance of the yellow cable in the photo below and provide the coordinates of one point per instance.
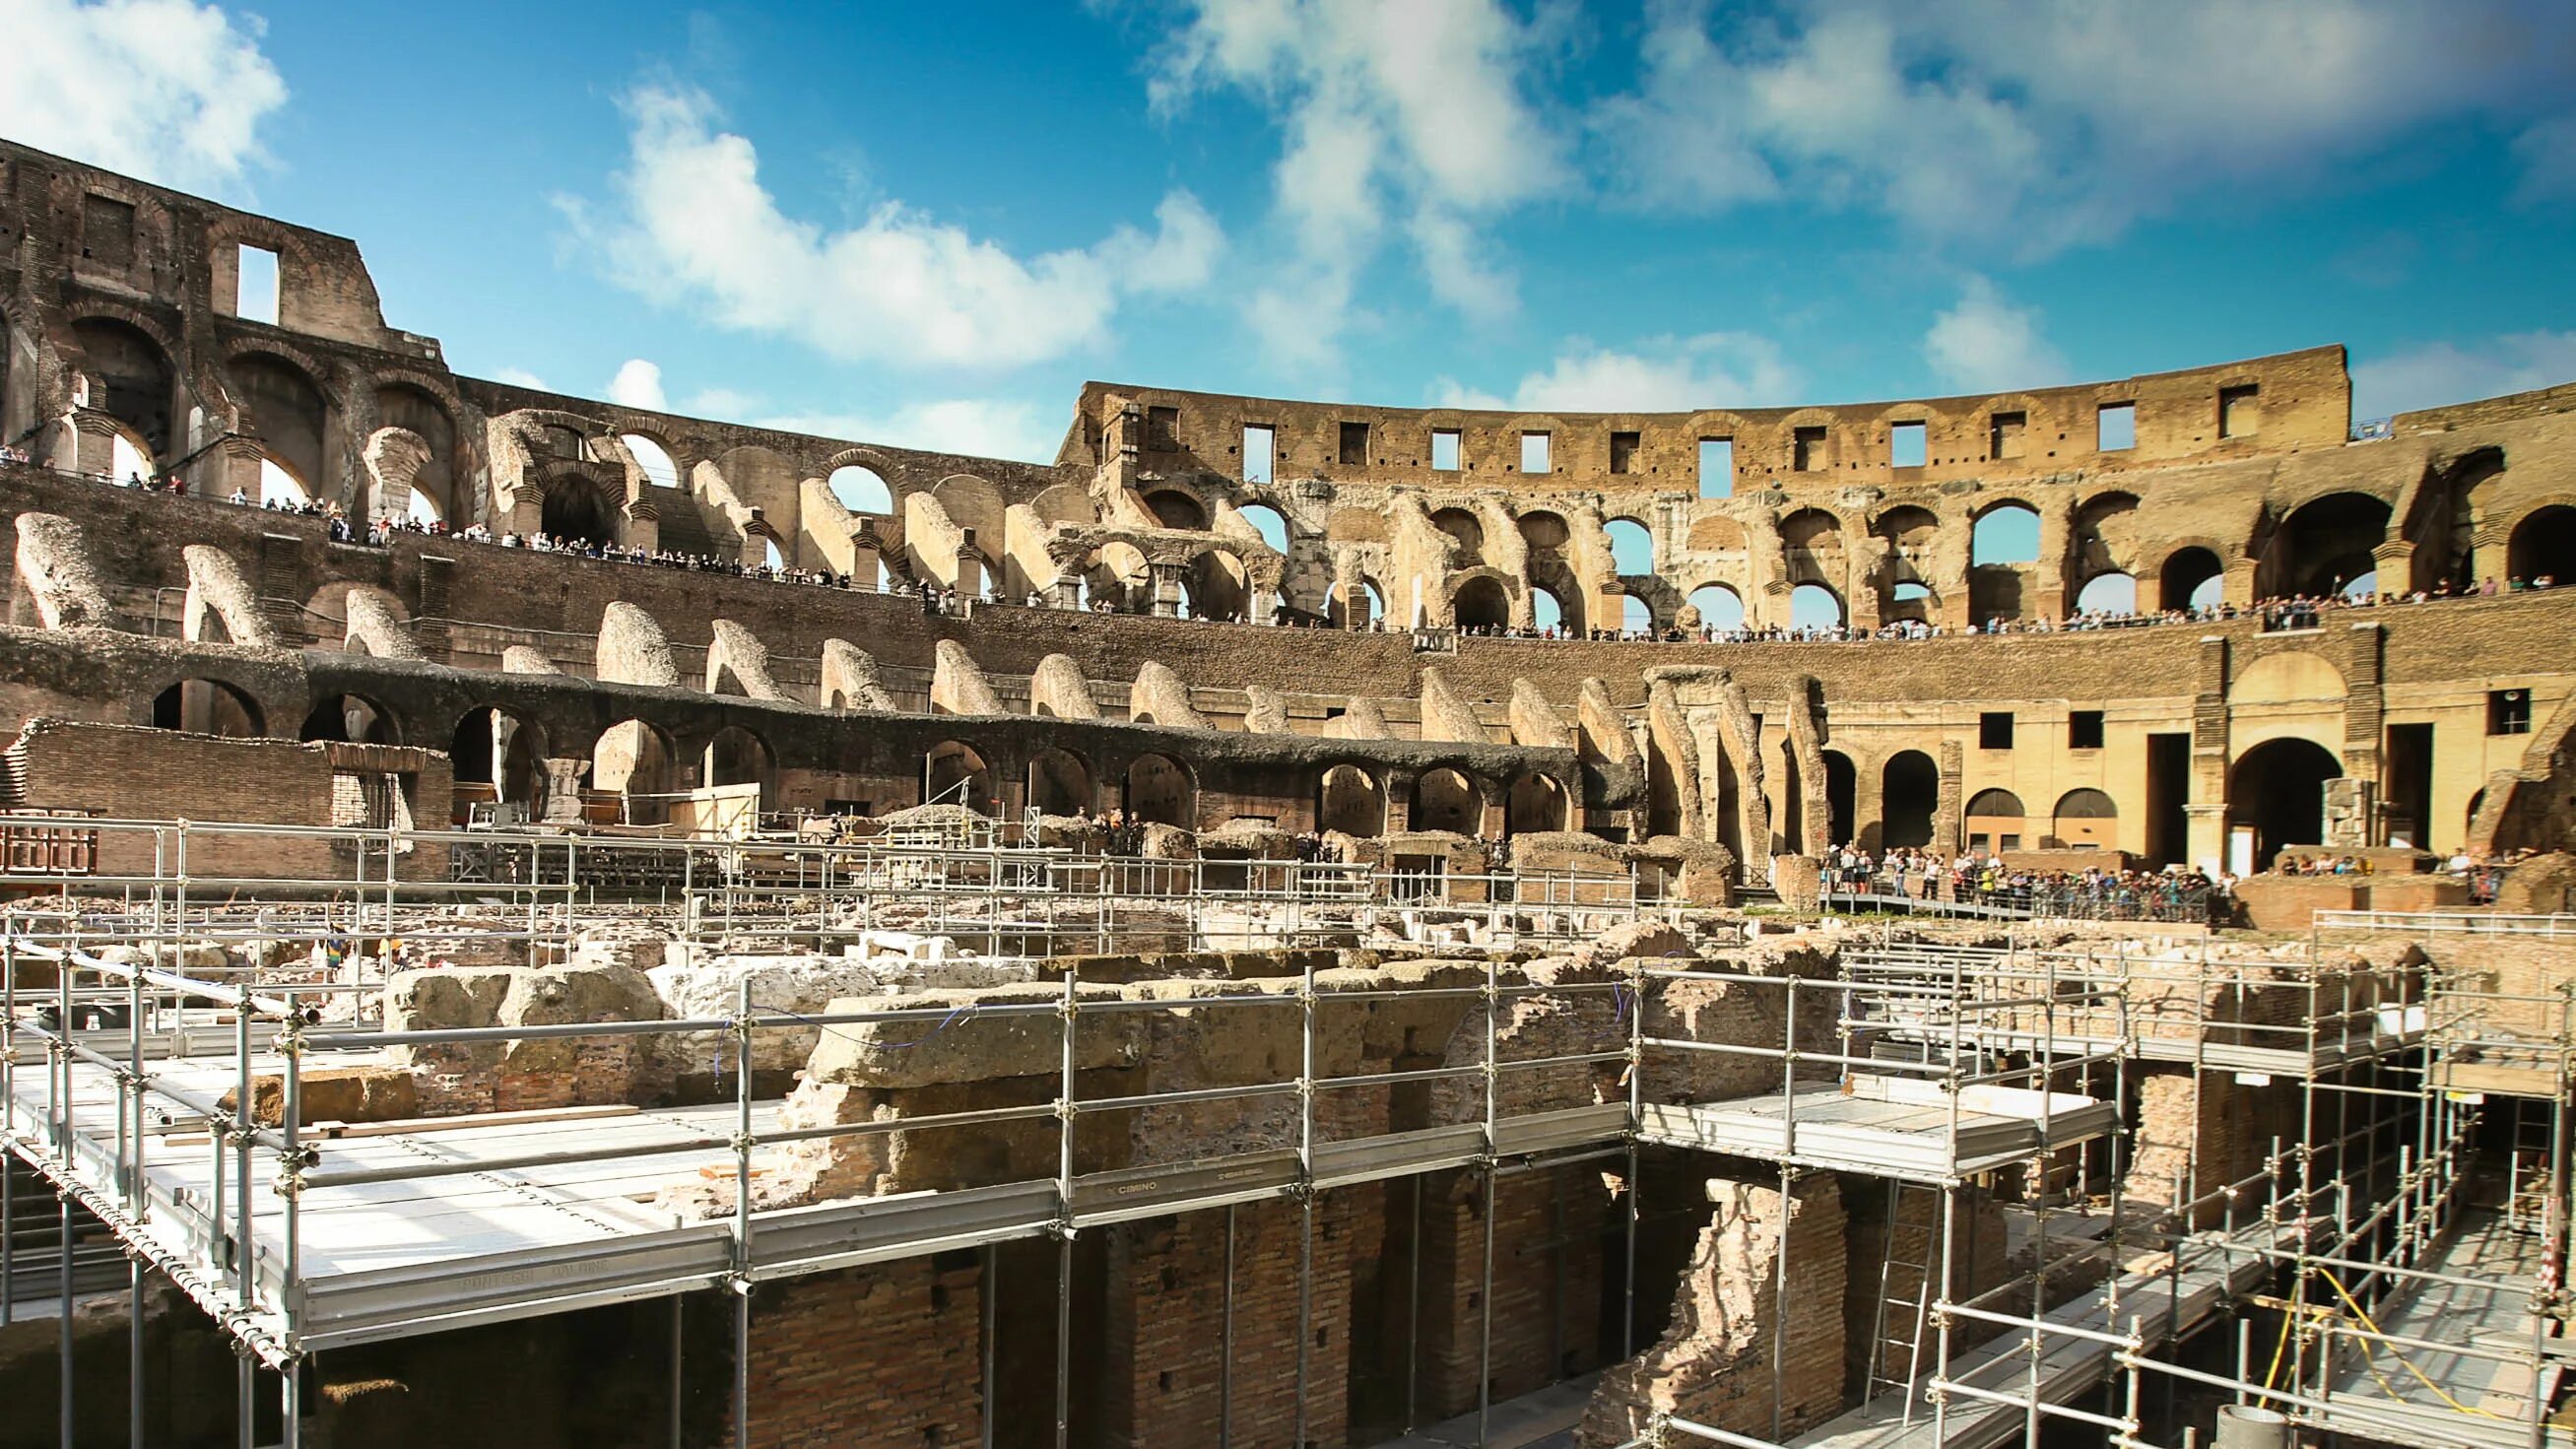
(2438, 1391)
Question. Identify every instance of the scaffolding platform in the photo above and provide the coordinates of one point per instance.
(1886, 1126)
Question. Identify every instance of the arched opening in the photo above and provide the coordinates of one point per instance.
(1544, 532)
(1348, 799)
(2108, 594)
(207, 707)
(2193, 578)
(1813, 606)
(279, 487)
(1216, 586)
(1547, 611)
(1909, 793)
(1159, 792)
(1720, 607)
(1811, 547)
(1907, 601)
(285, 410)
(1996, 821)
(2276, 797)
(1116, 579)
(2324, 546)
(1842, 792)
(419, 412)
(1632, 546)
(654, 459)
(1447, 800)
(770, 558)
(575, 509)
(2083, 820)
(1461, 525)
(1536, 802)
(349, 719)
(1636, 616)
(2544, 545)
(861, 490)
(2001, 550)
(1268, 522)
(637, 761)
(129, 378)
(503, 754)
(1481, 604)
(953, 773)
(736, 756)
(1059, 783)
(1175, 509)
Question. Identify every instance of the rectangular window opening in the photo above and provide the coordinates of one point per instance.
(1163, 429)
(1534, 453)
(1259, 442)
(1807, 450)
(1623, 452)
(255, 286)
(2240, 411)
(2115, 427)
(1444, 450)
(1905, 445)
(2004, 435)
(1717, 467)
(2084, 729)
(107, 231)
(2508, 711)
(1355, 444)
(1994, 731)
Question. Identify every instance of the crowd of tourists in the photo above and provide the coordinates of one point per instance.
(2175, 893)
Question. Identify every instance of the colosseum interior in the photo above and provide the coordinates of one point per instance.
(1292, 926)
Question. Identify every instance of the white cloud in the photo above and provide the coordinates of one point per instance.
(521, 377)
(974, 427)
(695, 223)
(1714, 369)
(2035, 127)
(1417, 109)
(2548, 155)
(2443, 372)
(638, 384)
(1986, 344)
(167, 90)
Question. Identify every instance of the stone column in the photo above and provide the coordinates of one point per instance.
(563, 791)
(1167, 590)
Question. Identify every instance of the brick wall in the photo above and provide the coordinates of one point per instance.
(882, 1357)
(1549, 1239)
(2198, 1132)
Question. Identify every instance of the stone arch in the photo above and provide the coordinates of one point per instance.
(209, 706)
(954, 772)
(2184, 580)
(1059, 782)
(1479, 601)
(2292, 676)
(1447, 798)
(2104, 539)
(1350, 800)
(1463, 527)
(1817, 606)
(638, 761)
(407, 405)
(975, 505)
(572, 504)
(1642, 536)
(2277, 791)
(1995, 821)
(737, 755)
(1842, 798)
(1909, 795)
(1812, 548)
(128, 371)
(1536, 801)
(1176, 507)
(1717, 605)
(287, 409)
(859, 488)
(502, 750)
(1160, 790)
(2543, 544)
(350, 719)
(2324, 544)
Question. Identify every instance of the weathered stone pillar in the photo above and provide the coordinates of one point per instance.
(1167, 590)
(563, 791)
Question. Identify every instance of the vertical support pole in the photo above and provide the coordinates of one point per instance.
(1413, 1315)
(64, 1276)
(8, 1128)
(1780, 1305)
(245, 1399)
(245, 1112)
(290, 1405)
(1305, 1190)
(1066, 1112)
(742, 1142)
(679, 1305)
(1225, 1345)
(134, 1352)
(1493, 1111)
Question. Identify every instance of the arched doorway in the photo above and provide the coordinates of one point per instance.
(1536, 802)
(349, 719)
(502, 753)
(207, 707)
(1447, 800)
(1842, 791)
(1909, 794)
(1159, 791)
(736, 756)
(636, 760)
(2325, 545)
(2544, 545)
(1461, 525)
(2002, 548)
(2192, 578)
(1347, 799)
(1480, 603)
(1813, 606)
(1059, 783)
(861, 490)
(1720, 608)
(2276, 797)
(575, 509)
(2111, 593)
(953, 773)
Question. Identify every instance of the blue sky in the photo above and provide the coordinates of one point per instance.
(929, 224)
